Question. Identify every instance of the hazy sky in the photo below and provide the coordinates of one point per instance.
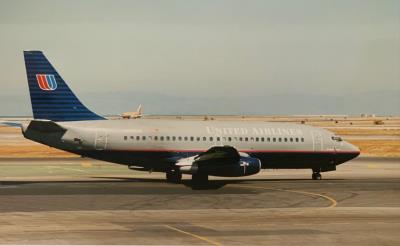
(209, 57)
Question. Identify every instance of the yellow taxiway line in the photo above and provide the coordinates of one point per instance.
(330, 199)
(194, 235)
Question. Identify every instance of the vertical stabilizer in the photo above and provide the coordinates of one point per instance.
(51, 97)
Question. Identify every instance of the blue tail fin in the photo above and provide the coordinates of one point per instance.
(51, 97)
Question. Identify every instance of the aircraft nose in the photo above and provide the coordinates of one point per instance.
(353, 150)
(346, 152)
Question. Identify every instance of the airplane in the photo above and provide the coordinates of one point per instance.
(133, 115)
(198, 148)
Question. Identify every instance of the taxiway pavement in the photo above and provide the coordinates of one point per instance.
(80, 201)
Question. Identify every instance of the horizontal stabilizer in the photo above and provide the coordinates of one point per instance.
(11, 123)
(45, 126)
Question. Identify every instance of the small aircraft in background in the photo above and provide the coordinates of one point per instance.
(133, 115)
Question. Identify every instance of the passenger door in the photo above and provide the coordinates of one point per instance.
(101, 140)
(317, 140)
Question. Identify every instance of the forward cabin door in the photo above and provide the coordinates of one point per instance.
(101, 140)
(317, 140)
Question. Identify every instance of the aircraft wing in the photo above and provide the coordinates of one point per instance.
(218, 154)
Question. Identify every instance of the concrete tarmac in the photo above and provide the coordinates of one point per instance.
(80, 201)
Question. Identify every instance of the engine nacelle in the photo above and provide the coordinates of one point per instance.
(244, 167)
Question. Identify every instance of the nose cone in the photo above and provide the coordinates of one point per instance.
(354, 150)
(347, 152)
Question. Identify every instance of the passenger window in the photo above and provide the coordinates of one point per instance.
(125, 137)
(180, 138)
(138, 138)
(240, 139)
(273, 139)
(246, 139)
(268, 139)
(291, 139)
(132, 137)
(218, 139)
(198, 138)
(204, 139)
(297, 139)
(285, 139)
(211, 139)
(173, 138)
(185, 138)
(229, 139)
(191, 138)
(280, 139)
(155, 138)
(162, 138)
(144, 138)
(256, 139)
(302, 139)
(262, 139)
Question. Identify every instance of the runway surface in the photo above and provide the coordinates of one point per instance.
(80, 201)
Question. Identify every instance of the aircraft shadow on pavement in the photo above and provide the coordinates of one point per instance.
(212, 184)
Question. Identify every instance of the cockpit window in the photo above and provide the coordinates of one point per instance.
(337, 138)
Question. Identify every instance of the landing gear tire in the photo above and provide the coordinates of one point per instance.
(174, 176)
(316, 176)
(199, 180)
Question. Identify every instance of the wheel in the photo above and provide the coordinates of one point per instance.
(173, 176)
(316, 176)
(199, 180)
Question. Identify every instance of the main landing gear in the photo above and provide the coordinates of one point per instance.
(316, 175)
(174, 176)
(199, 180)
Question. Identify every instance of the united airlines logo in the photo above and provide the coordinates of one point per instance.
(46, 82)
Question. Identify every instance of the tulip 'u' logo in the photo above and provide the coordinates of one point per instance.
(46, 82)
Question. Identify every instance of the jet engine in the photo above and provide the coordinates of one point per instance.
(245, 166)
